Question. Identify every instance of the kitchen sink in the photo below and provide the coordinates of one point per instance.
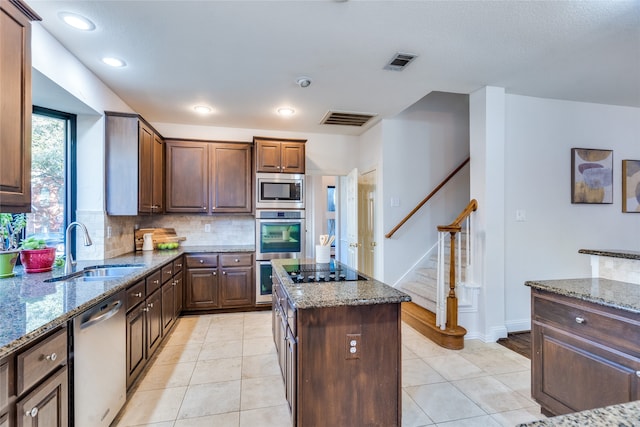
(100, 273)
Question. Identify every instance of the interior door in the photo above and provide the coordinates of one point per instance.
(351, 191)
(366, 222)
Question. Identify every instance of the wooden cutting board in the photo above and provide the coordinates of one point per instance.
(160, 235)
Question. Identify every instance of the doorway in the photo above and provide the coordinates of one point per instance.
(366, 222)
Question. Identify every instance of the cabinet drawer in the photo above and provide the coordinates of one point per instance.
(153, 282)
(236, 260)
(167, 272)
(40, 360)
(589, 321)
(135, 294)
(202, 260)
(177, 265)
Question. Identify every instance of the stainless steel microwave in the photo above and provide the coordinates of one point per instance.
(279, 191)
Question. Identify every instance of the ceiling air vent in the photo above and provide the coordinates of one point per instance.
(343, 118)
(400, 61)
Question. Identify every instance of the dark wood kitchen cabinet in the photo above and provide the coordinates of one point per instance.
(171, 294)
(134, 166)
(219, 281)
(208, 177)
(15, 106)
(585, 355)
(280, 155)
(6, 390)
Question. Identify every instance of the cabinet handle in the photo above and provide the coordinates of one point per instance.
(201, 261)
(155, 282)
(637, 373)
(169, 272)
(224, 273)
(150, 305)
(145, 309)
(236, 260)
(51, 357)
(215, 274)
(580, 320)
(175, 282)
(179, 265)
(32, 413)
(137, 295)
(204, 208)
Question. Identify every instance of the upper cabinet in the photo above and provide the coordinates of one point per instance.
(208, 177)
(279, 155)
(134, 166)
(15, 105)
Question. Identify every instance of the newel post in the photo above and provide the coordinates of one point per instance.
(452, 300)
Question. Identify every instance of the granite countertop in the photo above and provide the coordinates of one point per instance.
(333, 294)
(622, 415)
(611, 293)
(30, 307)
(614, 253)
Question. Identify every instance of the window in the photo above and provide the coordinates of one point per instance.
(52, 151)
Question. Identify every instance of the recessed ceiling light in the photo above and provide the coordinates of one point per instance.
(202, 109)
(114, 62)
(286, 111)
(76, 21)
(303, 81)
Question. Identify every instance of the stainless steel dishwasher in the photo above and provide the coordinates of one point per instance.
(99, 363)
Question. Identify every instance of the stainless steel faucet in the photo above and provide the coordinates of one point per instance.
(69, 263)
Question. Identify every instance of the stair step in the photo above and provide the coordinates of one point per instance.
(423, 320)
(421, 291)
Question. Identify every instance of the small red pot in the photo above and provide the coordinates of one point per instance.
(37, 260)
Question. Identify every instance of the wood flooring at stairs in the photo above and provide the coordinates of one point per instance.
(520, 342)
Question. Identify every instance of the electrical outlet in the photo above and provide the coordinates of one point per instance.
(207, 228)
(521, 215)
(353, 346)
(108, 232)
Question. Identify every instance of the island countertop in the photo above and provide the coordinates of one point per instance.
(621, 415)
(613, 253)
(30, 307)
(334, 294)
(611, 293)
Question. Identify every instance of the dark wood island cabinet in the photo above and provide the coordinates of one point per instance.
(585, 345)
(339, 349)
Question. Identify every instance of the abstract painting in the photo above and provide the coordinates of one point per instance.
(591, 176)
(631, 186)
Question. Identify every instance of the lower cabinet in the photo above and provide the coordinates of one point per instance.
(47, 405)
(219, 281)
(585, 355)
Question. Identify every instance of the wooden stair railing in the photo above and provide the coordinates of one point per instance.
(426, 199)
(454, 228)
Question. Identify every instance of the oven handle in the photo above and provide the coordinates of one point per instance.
(102, 315)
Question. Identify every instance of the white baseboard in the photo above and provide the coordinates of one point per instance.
(518, 325)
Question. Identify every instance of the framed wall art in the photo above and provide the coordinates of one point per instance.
(631, 186)
(591, 176)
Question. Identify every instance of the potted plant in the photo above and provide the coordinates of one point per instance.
(35, 256)
(11, 226)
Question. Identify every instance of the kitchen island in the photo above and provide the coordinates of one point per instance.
(585, 344)
(339, 346)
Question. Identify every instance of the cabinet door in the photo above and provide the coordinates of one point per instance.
(154, 322)
(572, 374)
(15, 110)
(47, 405)
(136, 343)
(291, 376)
(187, 180)
(292, 155)
(145, 174)
(231, 178)
(178, 294)
(267, 155)
(168, 306)
(157, 184)
(236, 287)
(202, 289)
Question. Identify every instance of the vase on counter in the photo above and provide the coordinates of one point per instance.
(37, 260)
(7, 262)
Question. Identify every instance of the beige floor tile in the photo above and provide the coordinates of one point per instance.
(220, 350)
(257, 328)
(220, 332)
(519, 416)
(258, 346)
(491, 395)
(454, 367)
(230, 419)
(422, 347)
(412, 414)
(495, 362)
(217, 370)
(209, 399)
(166, 376)
(517, 381)
(262, 392)
(153, 406)
(187, 336)
(482, 421)
(274, 416)
(443, 402)
(171, 354)
(473, 345)
(407, 353)
(262, 365)
(418, 372)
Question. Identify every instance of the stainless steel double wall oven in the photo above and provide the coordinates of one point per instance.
(279, 234)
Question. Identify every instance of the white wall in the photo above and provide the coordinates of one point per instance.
(539, 136)
(421, 146)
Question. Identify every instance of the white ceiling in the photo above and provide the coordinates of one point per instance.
(243, 57)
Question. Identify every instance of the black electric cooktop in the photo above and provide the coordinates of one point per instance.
(331, 272)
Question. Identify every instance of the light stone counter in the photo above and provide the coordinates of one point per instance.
(622, 415)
